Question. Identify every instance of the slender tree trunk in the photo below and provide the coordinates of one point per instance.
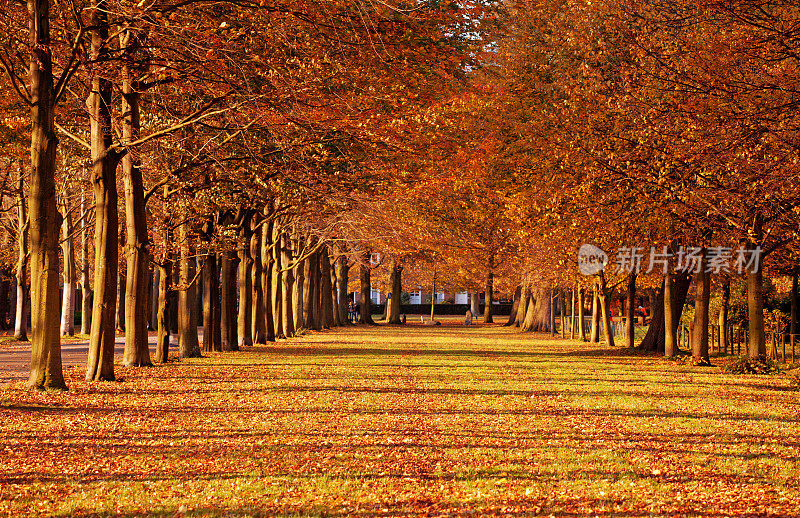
(397, 284)
(230, 341)
(137, 352)
(86, 290)
(21, 268)
(365, 316)
(700, 354)
(316, 295)
(208, 274)
(433, 295)
(308, 287)
(581, 315)
(562, 307)
(277, 281)
(45, 221)
(100, 365)
(267, 267)
(489, 297)
(162, 326)
(594, 336)
(725, 305)
(670, 321)
(188, 343)
(572, 314)
(68, 272)
(512, 317)
(605, 310)
(119, 316)
(244, 316)
(631, 315)
(299, 288)
(287, 288)
(342, 274)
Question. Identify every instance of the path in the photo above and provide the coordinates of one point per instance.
(406, 422)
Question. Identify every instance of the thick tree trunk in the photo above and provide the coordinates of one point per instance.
(488, 298)
(522, 307)
(327, 289)
(244, 318)
(396, 281)
(137, 352)
(475, 304)
(287, 288)
(700, 354)
(228, 328)
(68, 271)
(188, 343)
(529, 322)
(581, 307)
(757, 345)
(365, 314)
(594, 336)
(631, 313)
(512, 317)
(100, 365)
(342, 274)
(725, 305)
(45, 221)
(86, 290)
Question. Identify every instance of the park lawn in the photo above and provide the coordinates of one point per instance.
(406, 421)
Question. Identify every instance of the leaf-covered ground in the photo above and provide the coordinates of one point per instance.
(404, 422)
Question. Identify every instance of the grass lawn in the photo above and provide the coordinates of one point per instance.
(406, 421)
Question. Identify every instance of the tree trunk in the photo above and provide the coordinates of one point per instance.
(137, 352)
(257, 316)
(316, 294)
(277, 283)
(21, 268)
(230, 341)
(119, 316)
(581, 307)
(68, 272)
(365, 314)
(512, 317)
(700, 354)
(522, 307)
(287, 288)
(86, 290)
(594, 337)
(100, 365)
(162, 339)
(605, 309)
(45, 221)
(725, 305)
(337, 320)
(757, 346)
(188, 343)
(631, 314)
(327, 289)
(394, 302)
(267, 267)
(299, 287)
(488, 298)
(342, 274)
(572, 314)
(475, 304)
(561, 305)
(308, 287)
(212, 336)
(670, 321)
(244, 316)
